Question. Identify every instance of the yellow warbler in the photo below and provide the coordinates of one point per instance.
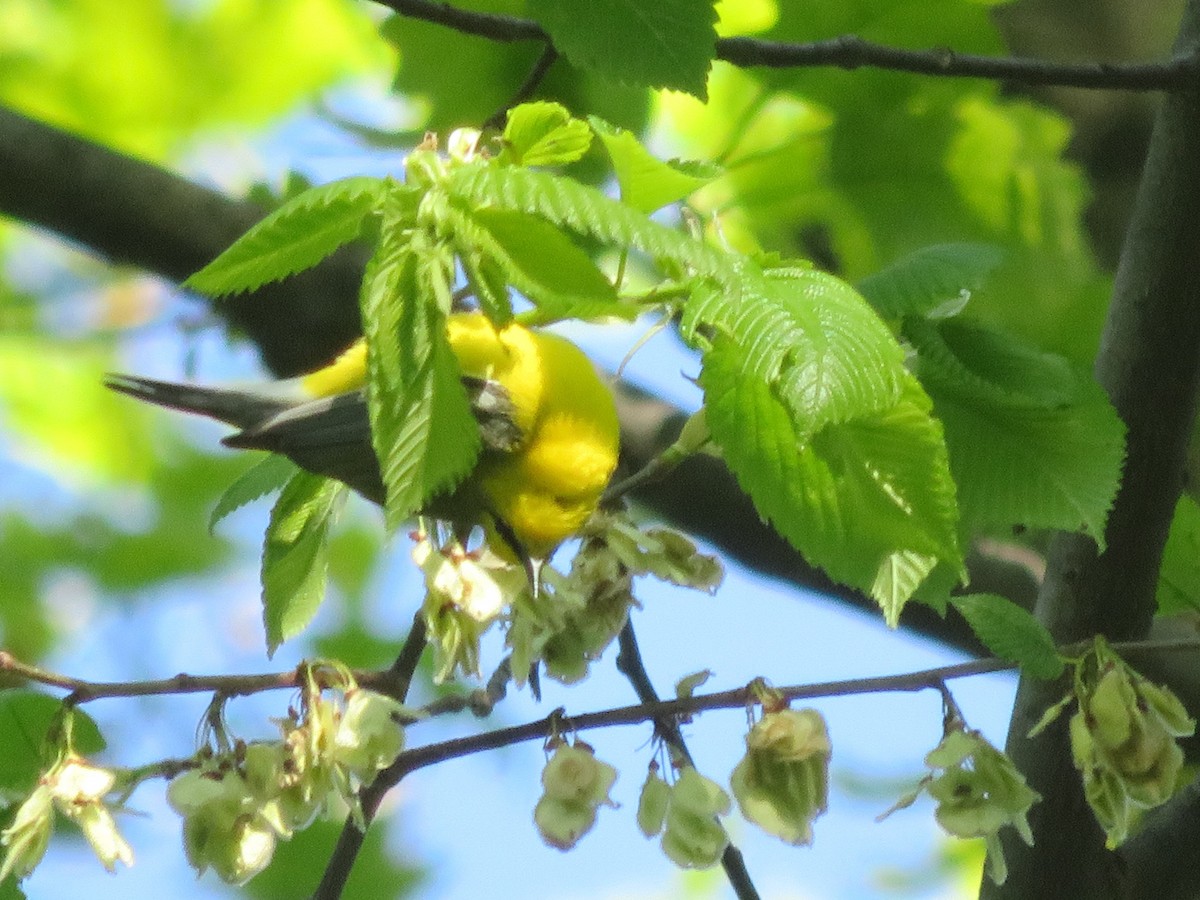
(548, 424)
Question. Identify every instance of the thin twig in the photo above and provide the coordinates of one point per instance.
(629, 663)
(350, 841)
(528, 86)
(83, 691)
(852, 52)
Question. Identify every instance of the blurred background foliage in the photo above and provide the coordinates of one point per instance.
(105, 505)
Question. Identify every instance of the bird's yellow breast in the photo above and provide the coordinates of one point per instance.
(547, 487)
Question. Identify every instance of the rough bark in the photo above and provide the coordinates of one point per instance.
(1149, 362)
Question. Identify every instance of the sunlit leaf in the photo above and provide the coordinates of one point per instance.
(424, 434)
(809, 336)
(266, 476)
(294, 237)
(541, 261)
(854, 496)
(1031, 441)
(544, 134)
(294, 561)
(1011, 633)
(585, 211)
(648, 183)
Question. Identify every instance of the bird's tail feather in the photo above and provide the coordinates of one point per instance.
(242, 409)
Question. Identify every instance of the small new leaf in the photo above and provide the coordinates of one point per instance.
(647, 182)
(295, 237)
(294, 561)
(544, 134)
(266, 476)
(1011, 633)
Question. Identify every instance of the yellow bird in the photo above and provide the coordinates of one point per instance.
(548, 423)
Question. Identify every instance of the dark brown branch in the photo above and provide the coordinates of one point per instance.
(1149, 363)
(1155, 851)
(852, 52)
(399, 679)
(528, 86)
(629, 664)
(136, 213)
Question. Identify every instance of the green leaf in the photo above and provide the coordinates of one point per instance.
(870, 500)
(26, 717)
(974, 361)
(1179, 575)
(664, 44)
(647, 182)
(10, 889)
(586, 211)
(294, 561)
(544, 134)
(931, 280)
(809, 336)
(540, 260)
(1011, 633)
(295, 237)
(425, 437)
(1031, 442)
(266, 476)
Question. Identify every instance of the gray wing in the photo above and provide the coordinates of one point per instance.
(328, 436)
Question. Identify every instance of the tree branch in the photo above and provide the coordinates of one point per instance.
(139, 214)
(399, 678)
(629, 664)
(852, 52)
(1149, 363)
(542, 66)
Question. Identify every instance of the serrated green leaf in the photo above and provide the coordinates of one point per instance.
(586, 211)
(541, 261)
(295, 237)
(647, 182)
(665, 44)
(1011, 633)
(269, 474)
(424, 434)
(1179, 575)
(809, 336)
(974, 361)
(294, 560)
(928, 279)
(865, 500)
(544, 134)
(1041, 467)
(25, 720)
